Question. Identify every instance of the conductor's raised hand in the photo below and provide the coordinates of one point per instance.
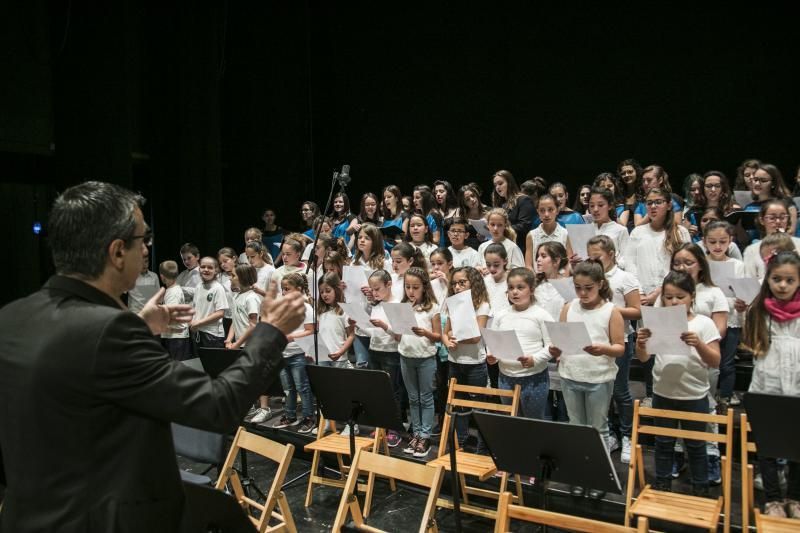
(286, 314)
(159, 316)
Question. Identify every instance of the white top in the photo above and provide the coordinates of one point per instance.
(733, 250)
(547, 297)
(381, 340)
(515, 257)
(498, 294)
(646, 258)
(681, 377)
(532, 335)
(584, 367)
(225, 280)
(189, 278)
(471, 354)
(468, 257)
(416, 346)
(440, 291)
(427, 249)
(332, 330)
(619, 236)
(147, 285)
(538, 236)
(778, 372)
(282, 271)
(754, 266)
(622, 283)
(209, 298)
(292, 348)
(174, 296)
(398, 287)
(265, 276)
(244, 304)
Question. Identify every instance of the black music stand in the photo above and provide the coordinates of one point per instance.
(551, 451)
(357, 395)
(774, 437)
(747, 218)
(207, 509)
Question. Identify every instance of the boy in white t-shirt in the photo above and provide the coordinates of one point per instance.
(189, 278)
(210, 303)
(176, 339)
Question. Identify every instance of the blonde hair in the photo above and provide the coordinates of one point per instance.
(508, 231)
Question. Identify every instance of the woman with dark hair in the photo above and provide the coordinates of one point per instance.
(695, 204)
(581, 205)
(424, 204)
(272, 235)
(470, 207)
(342, 217)
(565, 215)
(309, 211)
(767, 183)
(630, 172)
(368, 213)
(520, 208)
(608, 180)
(446, 200)
(744, 174)
(393, 216)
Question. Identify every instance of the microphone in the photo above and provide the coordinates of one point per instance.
(344, 176)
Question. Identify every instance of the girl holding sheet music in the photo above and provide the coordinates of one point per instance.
(418, 362)
(601, 207)
(495, 280)
(680, 382)
(547, 231)
(625, 295)
(587, 379)
(467, 357)
(771, 331)
(502, 233)
(717, 239)
(334, 330)
(529, 370)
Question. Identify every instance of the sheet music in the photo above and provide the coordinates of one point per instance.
(666, 325)
(502, 344)
(569, 337)
(463, 320)
(401, 317)
(579, 235)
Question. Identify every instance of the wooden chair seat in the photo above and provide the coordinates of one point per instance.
(773, 524)
(683, 509)
(338, 444)
(471, 464)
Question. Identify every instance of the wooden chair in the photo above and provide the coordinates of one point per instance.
(506, 510)
(260, 515)
(764, 523)
(393, 468)
(694, 511)
(339, 445)
(471, 464)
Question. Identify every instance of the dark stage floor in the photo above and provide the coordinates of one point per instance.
(401, 510)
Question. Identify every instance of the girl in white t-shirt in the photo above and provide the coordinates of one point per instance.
(463, 255)
(418, 361)
(404, 256)
(601, 207)
(530, 370)
(549, 230)
(495, 258)
(625, 296)
(771, 331)
(467, 357)
(291, 251)
(501, 233)
(334, 331)
(441, 270)
(420, 236)
(681, 382)
(226, 257)
(441, 267)
(257, 255)
(209, 304)
(246, 305)
(587, 378)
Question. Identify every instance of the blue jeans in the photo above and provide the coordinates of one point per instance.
(727, 364)
(622, 390)
(343, 362)
(665, 446)
(587, 403)
(295, 380)
(418, 375)
(468, 375)
(532, 394)
(361, 348)
(389, 362)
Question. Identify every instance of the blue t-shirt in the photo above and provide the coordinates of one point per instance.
(572, 217)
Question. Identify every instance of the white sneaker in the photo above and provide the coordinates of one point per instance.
(324, 430)
(647, 401)
(261, 415)
(346, 431)
(625, 455)
(251, 413)
(612, 443)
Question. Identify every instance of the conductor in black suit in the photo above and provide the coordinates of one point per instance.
(87, 393)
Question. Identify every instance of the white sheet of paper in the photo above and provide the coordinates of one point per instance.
(742, 198)
(356, 312)
(579, 235)
(721, 270)
(746, 289)
(502, 344)
(565, 287)
(307, 345)
(400, 316)
(463, 320)
(481, 227)
(354, 278)
(666, 325)
(725, 286)
(569, 337)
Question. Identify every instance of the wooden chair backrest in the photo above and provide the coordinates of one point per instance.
(747, 446)
(507, 510)
(453, 401)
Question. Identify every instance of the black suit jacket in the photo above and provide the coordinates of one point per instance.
(87, 395)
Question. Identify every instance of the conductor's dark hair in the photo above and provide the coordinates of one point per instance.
(85, 220)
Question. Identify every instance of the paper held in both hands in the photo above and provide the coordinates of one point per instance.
(463, 320)
(569, 337)
(502, 344)
(307, 345)
(565, 288)
(666, 325)
(357, 312)
(724, 276)
(354, 277)
(400, 317)
(579, 236)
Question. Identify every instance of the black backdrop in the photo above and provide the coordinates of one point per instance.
(216, 112)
